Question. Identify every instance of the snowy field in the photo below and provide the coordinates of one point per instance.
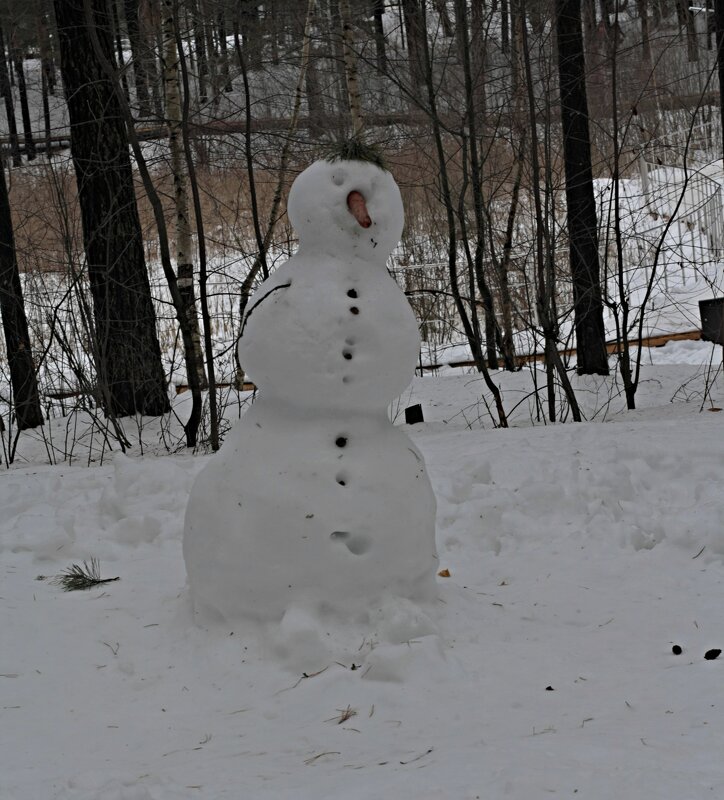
(578, 555)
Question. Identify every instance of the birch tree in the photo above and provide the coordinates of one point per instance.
(179, 172)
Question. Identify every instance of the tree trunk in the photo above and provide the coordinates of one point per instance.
(507, 343)
(212, 55)
(448, 28)
(47, 47)
(191, 426)
(130, 374)
(350, 69)
(248, 22)
(202, 63)
(335, 22)
(719, 26)
(149, 17)
(545, 278)
(378, 11)
(504, 26)
(24, 108)
(48, 131)
(478, 47)
(130, 9)
(224, 52)
(46, 65)
(7, 94)
(203, 273)
(26, 400)
(184, 242)
(642, 6)
(315, 99)
(588, 304)
(686, 20)
(473, 92)
(118, 42)
(589, 23)
(414, 17)
(622, 317)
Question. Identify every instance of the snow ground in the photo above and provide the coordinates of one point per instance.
(578, 555)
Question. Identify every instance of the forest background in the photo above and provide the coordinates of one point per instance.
(560, 165)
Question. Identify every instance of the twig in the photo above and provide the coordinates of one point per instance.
(304, 677)
(417, 758)
(259, 302)
(309, 761)
(344, 715)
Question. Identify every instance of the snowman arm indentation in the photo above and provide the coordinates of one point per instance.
(260, 301)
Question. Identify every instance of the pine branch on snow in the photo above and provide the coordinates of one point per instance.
(84, 576)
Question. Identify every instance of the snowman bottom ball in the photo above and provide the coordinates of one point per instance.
(333, 513)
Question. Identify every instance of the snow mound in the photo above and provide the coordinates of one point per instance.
(380, 643)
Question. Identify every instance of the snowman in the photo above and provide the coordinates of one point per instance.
(316, 499)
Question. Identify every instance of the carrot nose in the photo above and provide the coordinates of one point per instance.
(358, 208)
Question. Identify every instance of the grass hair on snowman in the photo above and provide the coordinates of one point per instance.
(354, 148)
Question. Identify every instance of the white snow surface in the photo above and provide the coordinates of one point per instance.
(316, 505)
(578, 555)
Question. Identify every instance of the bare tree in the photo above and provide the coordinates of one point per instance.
(131, 377)
(719, 27)
(350, 68)
(7, 94)
(686, 17)
(17, 59)
(546, 300)
(133, 27)
(416, 34)
(26, 400)
(472, 172)
(470, 320)
(582, 234)
(179, 169)
(378, 11)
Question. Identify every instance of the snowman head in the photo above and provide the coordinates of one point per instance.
(347, 208)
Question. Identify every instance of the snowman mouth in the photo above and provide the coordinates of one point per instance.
(358, 208)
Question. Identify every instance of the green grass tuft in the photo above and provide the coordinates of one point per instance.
(354, 149)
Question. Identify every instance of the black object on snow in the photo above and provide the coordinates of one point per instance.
(413, 414)
(712, 320)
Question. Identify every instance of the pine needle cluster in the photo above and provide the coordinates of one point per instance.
(355, 149)
(81, 576)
